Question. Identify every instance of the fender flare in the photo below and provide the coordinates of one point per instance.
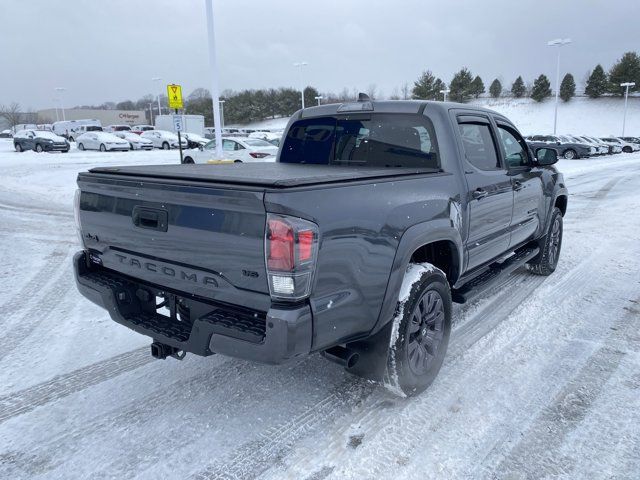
(412, 239)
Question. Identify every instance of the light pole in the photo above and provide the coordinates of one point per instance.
(221, 112)
(213, 64)
(55, 105)
(300, 65)
(626, 86)
(444, 92)
(158, 79)
(61, 90)
(558, 42)
(151, 113)
(318, 98)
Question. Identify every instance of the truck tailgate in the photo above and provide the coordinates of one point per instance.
(206, 241)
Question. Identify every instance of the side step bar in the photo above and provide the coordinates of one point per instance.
(493, 275)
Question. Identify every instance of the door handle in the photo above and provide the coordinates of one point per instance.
(479, 193)
(517, 185)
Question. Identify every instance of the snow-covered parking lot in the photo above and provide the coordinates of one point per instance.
(541, 380)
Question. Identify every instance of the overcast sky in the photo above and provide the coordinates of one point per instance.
(109, 50)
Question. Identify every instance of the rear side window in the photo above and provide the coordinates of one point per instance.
(479, 147)
(375, 140)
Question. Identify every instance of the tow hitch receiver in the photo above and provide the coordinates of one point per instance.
(162, 351)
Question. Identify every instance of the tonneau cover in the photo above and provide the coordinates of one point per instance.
(273, 175)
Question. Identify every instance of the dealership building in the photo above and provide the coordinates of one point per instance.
(106, 117)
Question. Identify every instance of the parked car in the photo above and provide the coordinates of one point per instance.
(68, 128)
(601, 147)
(194, 140)
(632, 140)
(82, 129)
(354, 244)
(240, 150)
(39, 141)
(566, 149)
(142, 128)
(267, 136)
(136, 142)
(6, 134)
(103, 141)
(117, 128)
(164, 139)
(628, 146)
(617, 145)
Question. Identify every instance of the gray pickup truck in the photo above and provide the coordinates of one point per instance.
(375, 218)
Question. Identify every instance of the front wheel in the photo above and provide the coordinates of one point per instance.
(19, 148)
(570, 154)
(166, 146)
(103, 148)
(627, 149)
(39, 148)
(80, 146)
(188, 160)
(420, 331)
(546, 261)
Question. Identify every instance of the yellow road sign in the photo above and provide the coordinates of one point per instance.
(174, 93)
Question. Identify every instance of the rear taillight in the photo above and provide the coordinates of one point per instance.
(291, 249)
(258, 154)
(76, 216)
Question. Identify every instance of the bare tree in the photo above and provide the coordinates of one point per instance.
(405, 91)
(395, 94)
(11, 113)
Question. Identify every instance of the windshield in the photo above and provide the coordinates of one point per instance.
(256, 142)
(379, 140)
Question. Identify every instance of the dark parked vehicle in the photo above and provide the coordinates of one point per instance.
(376, 217)
(39, 141)
(564, 147)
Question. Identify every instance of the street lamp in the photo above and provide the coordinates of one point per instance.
(300, 65)
(626, 86)
(318, 98)
(444, 92)
(158, 79)
(55, 105)
(151, 113)
(61, 90)
(213, 65)
(558, 42)
(221, 102)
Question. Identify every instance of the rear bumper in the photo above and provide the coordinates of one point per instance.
(272, 337)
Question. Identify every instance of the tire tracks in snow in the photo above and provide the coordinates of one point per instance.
(535, 453)
(61, 386)
(46, 306)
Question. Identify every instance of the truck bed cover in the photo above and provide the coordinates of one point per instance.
(271, 175)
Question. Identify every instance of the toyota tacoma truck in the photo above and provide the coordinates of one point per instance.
(354, 244)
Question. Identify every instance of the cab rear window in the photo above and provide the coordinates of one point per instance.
(367, 140)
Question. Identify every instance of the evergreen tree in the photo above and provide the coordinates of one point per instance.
(518, 89)
(427, 87)
(541, 88)
(567, 88)
(495, 89)
(477, 87)
(460, 89)
(438, 86)
(627, 69)
(310, 94)
(596, 83)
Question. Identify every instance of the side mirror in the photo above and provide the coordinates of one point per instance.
(546, 156)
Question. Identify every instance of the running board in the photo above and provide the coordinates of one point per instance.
(495, 274)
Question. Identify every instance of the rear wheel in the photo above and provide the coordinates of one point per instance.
(80, 146)
(570, 154)
(420, 330)
(627, 149)
(188, 160)
(237, 161)
(546, 261)
(39, 148)
(71, 139)
(166, 146)
(103, 148)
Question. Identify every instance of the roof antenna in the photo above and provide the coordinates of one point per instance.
(363, 97)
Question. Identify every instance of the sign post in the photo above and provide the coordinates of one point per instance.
(174, 95)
